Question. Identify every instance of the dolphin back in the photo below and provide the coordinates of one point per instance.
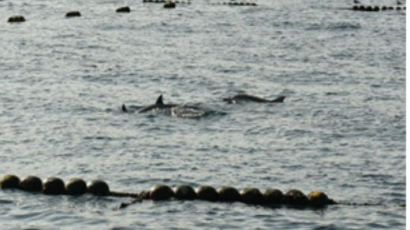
(251, 98)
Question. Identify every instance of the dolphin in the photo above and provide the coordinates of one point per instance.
(177, 110)
(250, 98)
(159, 104)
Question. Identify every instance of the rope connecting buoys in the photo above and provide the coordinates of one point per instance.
(160, 192)
(16, 18)
(124, 9)
(376, 8)
(72, 14)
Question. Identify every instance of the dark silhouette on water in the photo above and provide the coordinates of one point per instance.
(159, 104)
(249, 98)
(178, 110)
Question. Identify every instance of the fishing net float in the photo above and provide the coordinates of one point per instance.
(160, 192)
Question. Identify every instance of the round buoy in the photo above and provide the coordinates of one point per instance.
(376, 8)
(369, 8)
(207, 193)
(362, 8)
(273, 196)
(161, 192)
(17, 18)
(31, 184)
(73, 14)
(384, 8)
(295, 197)
(228, 194)
(98, 188)
(252, 196)
(355, 7)
(398, 8)
(185, 192)
(169, 4)
(9, 181)
(53, 186)
(76, 186)
(124, 9)
(390, 8)
(318, 198)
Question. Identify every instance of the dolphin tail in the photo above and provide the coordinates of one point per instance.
(124, 109)
(159, 100)
(279, 99)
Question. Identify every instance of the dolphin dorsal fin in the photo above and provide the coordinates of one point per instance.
(124, 108)
(159, 100)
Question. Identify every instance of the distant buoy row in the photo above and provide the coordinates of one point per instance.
(77, 186)
(72, 14)
(233, 3)
(377, 8)
(166, 1)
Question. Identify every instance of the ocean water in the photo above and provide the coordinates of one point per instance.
(341, 128)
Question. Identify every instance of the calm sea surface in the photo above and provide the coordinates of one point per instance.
(341, 128)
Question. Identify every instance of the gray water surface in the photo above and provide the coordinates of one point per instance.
(341, 128)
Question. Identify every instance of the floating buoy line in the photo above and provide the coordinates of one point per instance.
(127, 9)
(370, 8)
(160, 192)
(271, 198)
(173, 4)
